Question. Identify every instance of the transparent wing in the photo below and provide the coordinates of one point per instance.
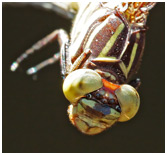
(65, 9)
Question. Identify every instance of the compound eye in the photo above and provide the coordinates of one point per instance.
(129, 101)
(81, 82)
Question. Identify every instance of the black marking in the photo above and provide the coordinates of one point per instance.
(88, 96)
(104, 100)
(104, 109)
(98, 95)
(135, 83)
(112, 101)
(118, 108)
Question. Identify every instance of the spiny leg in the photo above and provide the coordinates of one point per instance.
(62, 38)
(65, 60)
(80, 60)
(66, 65)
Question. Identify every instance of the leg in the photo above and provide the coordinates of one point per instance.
(80, 60)
(65, 60)
(135, 83)
(43, 64)
(59, 35)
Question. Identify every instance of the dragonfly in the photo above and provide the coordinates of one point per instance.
(98, 58)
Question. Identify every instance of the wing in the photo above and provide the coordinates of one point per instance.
(65, 9)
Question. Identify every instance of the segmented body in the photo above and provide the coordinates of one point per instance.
(116, 44)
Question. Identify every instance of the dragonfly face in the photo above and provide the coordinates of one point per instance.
(96, 104)
(104, 50)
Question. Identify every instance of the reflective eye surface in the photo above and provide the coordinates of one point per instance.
(81, 82)
(129, 101)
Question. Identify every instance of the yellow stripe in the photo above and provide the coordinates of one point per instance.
(106, 59)
(122, 65)
(124, 69)
(96, 31)
(81, 27)
(138, 35)
(111, 42)
(132, 57)
(133, 53)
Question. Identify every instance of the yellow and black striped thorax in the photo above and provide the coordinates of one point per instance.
(116, 44)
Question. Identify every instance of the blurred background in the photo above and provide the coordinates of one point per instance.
(34, 114)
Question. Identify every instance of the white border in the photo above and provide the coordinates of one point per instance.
(75, 1)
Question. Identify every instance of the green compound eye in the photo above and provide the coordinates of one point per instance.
(81, 82)
(129, 101)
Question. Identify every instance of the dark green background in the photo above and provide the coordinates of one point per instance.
(35, 111)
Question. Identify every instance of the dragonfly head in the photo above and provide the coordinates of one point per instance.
(96, 104)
